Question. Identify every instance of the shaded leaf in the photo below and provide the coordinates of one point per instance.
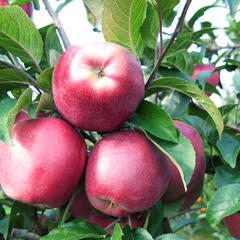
(226, 175)
(121, 23)
(9, 109)
(155, 120)
(225, 201)
(9, 75)
(171, 236)
(62, 5)
(45, 79)
(229, 148)
(236, 81)
(192, 91)
(178, 224)
(233, 6)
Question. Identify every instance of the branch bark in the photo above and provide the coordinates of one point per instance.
(177, 30)
(58, 24)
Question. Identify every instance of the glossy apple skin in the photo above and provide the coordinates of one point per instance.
(98, 86)
(175, 188)
(232, 223)
(125, 173)
(27, 7)
(214, 77)
(44, 164)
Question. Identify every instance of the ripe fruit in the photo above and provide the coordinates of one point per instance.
(44, 164)
(97, 86)
(214, 77)
(233, 224)
(27, 7)
(175, 188)
(125, 173)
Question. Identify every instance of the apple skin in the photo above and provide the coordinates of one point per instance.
(125, 173)
(44, 164)
(175, 189)
(23, 115)
(232, 223)
(98, 86)
(214, 77)
(27, 7)
(81, 207)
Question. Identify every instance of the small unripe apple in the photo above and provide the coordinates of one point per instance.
(213, 78)
(44, 164)
(125, 173)
(97, 86)
(232, 223)
(175, 189)
(27, 7)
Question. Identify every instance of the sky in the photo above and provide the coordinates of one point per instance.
(79, 30)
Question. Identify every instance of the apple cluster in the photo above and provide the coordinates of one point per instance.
(95, 88)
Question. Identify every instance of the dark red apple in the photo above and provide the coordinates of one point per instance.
(125, 173)
(44, 164)
(175, 188)
(27, 7)
(214, 77)
(98, 86)
(81, 207)
(232, 223)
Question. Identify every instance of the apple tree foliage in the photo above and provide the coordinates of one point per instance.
(167, 41)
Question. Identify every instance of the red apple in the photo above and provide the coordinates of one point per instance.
(23, 115)
(81, 207)
(214, 77)
(27, 7)
(175, 188)
(233, 224)
(44, 164)
(125, 173)
(98, 86)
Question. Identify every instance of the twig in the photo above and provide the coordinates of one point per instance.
(236, 114)
(30, 78)
(177, 30)
(23, 234)
(186, 211)
(40, 229)
(217, 48)
(233, 128)
(58, 24)
(89, 137)
(160, 26)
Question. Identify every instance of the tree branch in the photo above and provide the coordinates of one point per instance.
(32, 81)
(217, 48)
(233, 128)
(177, 30)
(23, 234)
(186, 211)
(58, 24)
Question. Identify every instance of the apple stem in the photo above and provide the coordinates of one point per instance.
(58, 24)
(112, 223)
(177, 30)
(186, 211)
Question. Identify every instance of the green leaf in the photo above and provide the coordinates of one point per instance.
(176, 104)
(236, 81)
(233, 6)
(178, 224)
(173, 207)
(94, 11)
(155, 227)
(229, 148)
(225, 201)
(181, 60)
(46, 102)
(155, 120)
(75, 230)
(20, 2)
(121, 23)
(226, 109)
(233, 62)
(4, 226)
(9, 109)
(141, 233)
(194, 92)
(117, 232)
(226, 175)
(150, 27)
(53, 46)
(198, 14)
(19, 35)
(167, 11)
(171, 236)
(8, 75)
(45, 79)
(182, 155)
